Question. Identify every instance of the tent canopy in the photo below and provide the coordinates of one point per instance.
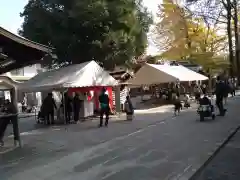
(156, 74)
(78, 75)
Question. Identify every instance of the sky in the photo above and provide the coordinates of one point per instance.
(10, 15)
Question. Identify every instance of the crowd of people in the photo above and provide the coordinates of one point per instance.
(68, 106)
(222, 89)
(72, 106)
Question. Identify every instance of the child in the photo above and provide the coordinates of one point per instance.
(186, 101)
(129, 108)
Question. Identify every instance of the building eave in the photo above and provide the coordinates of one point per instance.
(25, 41)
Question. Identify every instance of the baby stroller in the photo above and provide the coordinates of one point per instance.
(41, 116)
(206, 109)
(129, 110)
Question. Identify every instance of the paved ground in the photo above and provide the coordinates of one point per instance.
(154, 146)
(225, 165)
(27, 122)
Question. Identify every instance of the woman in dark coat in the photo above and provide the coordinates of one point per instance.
(226, 91)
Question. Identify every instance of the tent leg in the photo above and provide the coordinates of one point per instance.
(117, 100)
(64, 108)
(13, 93)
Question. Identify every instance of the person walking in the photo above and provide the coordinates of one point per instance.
(197, 93)
(76, 107)
(104, 107)
(204, 89)
(24, 104)
(220, 91)
(233, 86)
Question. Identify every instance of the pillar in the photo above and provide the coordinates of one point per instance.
(14, 100)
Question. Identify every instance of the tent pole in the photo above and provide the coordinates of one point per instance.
(64, 108)
(117, 99)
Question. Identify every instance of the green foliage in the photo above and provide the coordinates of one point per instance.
(109, 32)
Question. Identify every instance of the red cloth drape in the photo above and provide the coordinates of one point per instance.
(109, 89)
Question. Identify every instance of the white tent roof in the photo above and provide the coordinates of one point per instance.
(77, 75)
(156, 74)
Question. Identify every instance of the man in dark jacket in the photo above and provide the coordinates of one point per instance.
(76, 107)
(220, 91)
(11, 116)
(49, 106)
(104, 105)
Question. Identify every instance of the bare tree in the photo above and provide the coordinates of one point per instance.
(228, 7)
(236, 33)
(207, 9)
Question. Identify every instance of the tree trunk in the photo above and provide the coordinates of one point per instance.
(229, 32)
(237, 51)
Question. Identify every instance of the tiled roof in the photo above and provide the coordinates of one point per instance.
(24, 41)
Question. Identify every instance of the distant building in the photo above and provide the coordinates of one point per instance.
(144, 59)
(25, 73)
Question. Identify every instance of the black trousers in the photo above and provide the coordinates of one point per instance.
(4, 123)
(76, 115)
(67, 115)
(105, 112)
(219, 103)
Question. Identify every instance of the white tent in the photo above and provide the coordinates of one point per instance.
(78, 75)
(156, 74)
